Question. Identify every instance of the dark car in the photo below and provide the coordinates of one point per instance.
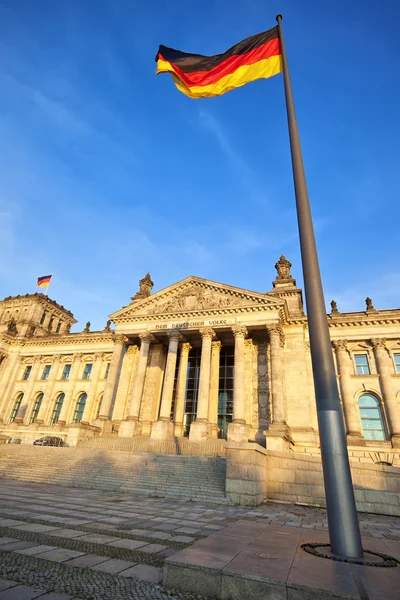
(49, 441)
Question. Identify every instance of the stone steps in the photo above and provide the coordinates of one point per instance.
(173, 476)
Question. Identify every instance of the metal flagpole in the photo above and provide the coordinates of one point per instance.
(47, 289)
(344, 528)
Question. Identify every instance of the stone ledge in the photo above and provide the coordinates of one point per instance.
(246, 446)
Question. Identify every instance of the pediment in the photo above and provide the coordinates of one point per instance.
(195, 296)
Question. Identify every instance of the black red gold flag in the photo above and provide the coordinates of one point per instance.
(199, 76)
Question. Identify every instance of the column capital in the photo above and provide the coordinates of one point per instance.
(216, 346)
(275, 330)
(339, 345)
(132, 349)
(239, 330)
(175, 334)
(185, 348)
(146, 337)
(98, 355)
(120, 339)
(207, 333)
(378, 343)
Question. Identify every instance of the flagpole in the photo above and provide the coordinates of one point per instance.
(47, 289)
(344, 528)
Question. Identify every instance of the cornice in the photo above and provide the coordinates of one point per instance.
(69, 339)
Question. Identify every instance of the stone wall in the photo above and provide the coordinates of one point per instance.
(298, 478)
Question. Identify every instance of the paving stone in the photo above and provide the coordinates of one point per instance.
(10, 522)
(68, 533)
(21, 592)
(54, 596)
(60, 554)
(187, 530)
(144, 572)
(114, 565)
(159, 535)
(5, 584)
(6, 540)
(97, 538)
(87, 560)
(152, 548)
(35, 527)
(183, 539)
(127, 544)
(17, 546)
(33, 550)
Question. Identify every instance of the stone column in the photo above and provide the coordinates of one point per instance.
(22, 411)
(73, 376)
(94, 379)
(200, 429)
(131, 426)
(350, 408)
(278, 433)
(385, 371)
(48, 393)
(214, 388)
(181, 389)
(238, 430)
(163, 428)
(112, 378)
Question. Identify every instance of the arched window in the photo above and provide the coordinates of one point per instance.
(36, 408)
(371, 418)
(99, 406)
(80, 407)
(57, 409)
(16, 407)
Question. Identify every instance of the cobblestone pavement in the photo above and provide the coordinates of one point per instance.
(61, 543)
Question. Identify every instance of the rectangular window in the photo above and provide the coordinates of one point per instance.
(46, 372)
(42, 320)
(58, 327)
(27, 372)
(87, 371)
(66, 372)
(107, 370)
(397, 362)
(362, 366)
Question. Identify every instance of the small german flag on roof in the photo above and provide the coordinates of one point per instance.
(198, 76)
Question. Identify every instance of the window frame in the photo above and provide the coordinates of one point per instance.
(36, 408)
(381, 419)
(396, 362)
(16, 406)
(64, 372)
(78, 408)
(26, 373)
(87, 372)
(57, 408)
(357, 354)
(45, 373)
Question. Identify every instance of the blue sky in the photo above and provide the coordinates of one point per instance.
(107, 171)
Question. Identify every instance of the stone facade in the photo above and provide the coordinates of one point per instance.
(198, 359)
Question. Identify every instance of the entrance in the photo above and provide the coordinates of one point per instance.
(225, 392)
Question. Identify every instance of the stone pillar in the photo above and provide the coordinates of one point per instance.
(22, 411)
(73, 376)
(163, 428)
(350, 408)
(112, 378)
(238, 430)
(131, 426)
(200, 429)
(214, 388)
(181, 389)
(9, 369)
(94, 379)
(385, 370)
(277, 434)
(48, 394)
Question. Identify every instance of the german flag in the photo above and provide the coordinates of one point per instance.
(198, 76)
(44, 281)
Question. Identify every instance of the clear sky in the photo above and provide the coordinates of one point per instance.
(107, 171)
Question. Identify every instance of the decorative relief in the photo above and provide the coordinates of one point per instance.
(334, 308)
(174, 335)
(369, 305)
(216, 347)
(340, 345)
(378, 343)
(186, 347)
(146, 337)
(132, 349)
(274, 330)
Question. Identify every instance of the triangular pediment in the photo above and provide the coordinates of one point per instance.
(195, 296)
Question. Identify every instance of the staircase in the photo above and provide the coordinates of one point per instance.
(197, 478)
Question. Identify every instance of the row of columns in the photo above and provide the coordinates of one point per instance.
(350, 406)
(206, 423)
